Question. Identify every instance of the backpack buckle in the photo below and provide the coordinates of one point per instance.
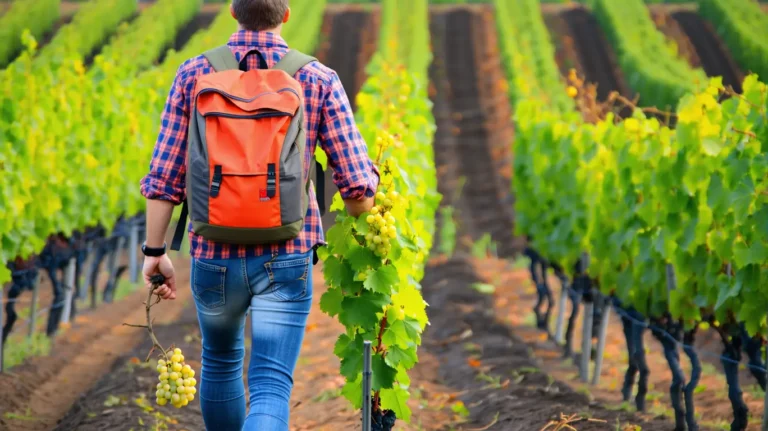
(271, 181)
(216, 181)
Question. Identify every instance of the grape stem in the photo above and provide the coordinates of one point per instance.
(148, 304)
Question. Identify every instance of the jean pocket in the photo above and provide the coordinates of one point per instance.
(208, 284)
(288, 278)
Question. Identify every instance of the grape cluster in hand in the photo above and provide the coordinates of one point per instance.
(177, 381)
(382, 224)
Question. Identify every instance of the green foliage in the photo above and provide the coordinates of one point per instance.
(377, 296)
(638, 196)
(744, 28)
(37, 17)
(652, 69)
(94, 22)
(529, 55)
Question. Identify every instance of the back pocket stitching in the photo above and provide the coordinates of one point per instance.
(222, 271)
(275, 289)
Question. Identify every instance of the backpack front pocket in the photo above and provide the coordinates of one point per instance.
(244, 200)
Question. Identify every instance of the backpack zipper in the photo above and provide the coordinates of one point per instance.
(241, 99)
(250, 116)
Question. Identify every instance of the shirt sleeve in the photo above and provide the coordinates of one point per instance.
(167, 169)
(353, 171)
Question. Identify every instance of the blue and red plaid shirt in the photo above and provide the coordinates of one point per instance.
(330, 121)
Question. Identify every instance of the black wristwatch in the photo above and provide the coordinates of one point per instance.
(152, 251)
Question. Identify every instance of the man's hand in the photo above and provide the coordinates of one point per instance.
(160, 265)
(356, 207)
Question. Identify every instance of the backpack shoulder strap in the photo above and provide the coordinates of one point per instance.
(292, 61)
(221, 58)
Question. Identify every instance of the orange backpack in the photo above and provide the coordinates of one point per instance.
(246, 153)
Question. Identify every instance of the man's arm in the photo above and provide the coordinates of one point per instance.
(164, 186)
(353, 171)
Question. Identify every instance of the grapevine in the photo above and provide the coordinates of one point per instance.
(373, 263)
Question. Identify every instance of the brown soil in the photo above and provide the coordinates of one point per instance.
(44, 388)
(348, 41)
(315, 405)
(597, 61)
(566, 54)
(674, 32)
(715, 57)
(502, 384)
(513, 301)
(464, 148)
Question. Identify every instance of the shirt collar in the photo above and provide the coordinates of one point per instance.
(256, 39)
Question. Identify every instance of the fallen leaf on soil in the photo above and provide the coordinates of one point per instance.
(474, 363)
(135, 361)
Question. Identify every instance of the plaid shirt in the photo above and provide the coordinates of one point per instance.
(330, 121)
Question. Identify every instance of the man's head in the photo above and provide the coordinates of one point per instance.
(260, 15)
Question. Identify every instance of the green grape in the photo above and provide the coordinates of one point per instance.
(377, 239)
(380, 196)
(370, 219)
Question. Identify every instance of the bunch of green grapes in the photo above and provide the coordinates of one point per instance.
(177, 381)
(381, 223)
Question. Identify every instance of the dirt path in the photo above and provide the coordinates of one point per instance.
(502, 384)
(513, 301)
(712, 52)
(124, 396)
(44, 388)
(348, 42)
(462, 142)
(599, 61)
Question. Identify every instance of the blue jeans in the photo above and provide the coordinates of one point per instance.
(277, 291)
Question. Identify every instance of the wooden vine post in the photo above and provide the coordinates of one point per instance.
(586, 329)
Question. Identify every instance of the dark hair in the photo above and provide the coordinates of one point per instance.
(259, 15)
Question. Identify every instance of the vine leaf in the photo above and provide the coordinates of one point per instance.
(331, 301)
(396, 399)
(352, 358)
(382, 280)
(398, 356)
(383, 374)
(361, 310)
(353, 391)
(337, 272)
(360, 258)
